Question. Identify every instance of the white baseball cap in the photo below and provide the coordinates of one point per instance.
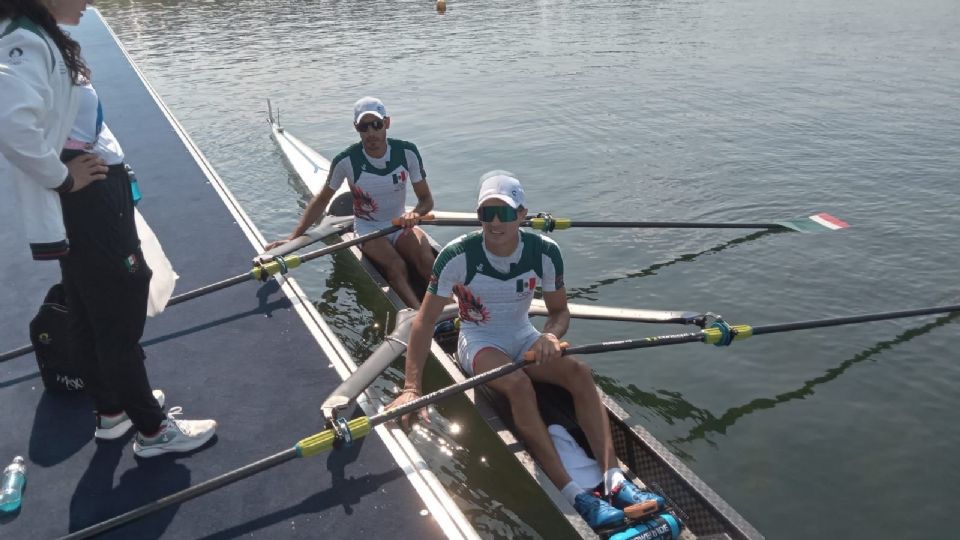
(368, 105)
(503, 186)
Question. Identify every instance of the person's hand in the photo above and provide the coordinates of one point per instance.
(276, 244)
(546, 348)
(409, 220)
(406, 396)
(85, 169)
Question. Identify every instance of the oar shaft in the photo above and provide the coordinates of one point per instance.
(714, 335)
(348, 243)
(538, 223)
(187, 494)
(670, 225)
(207, 289)
(854, 319)
(16, 352)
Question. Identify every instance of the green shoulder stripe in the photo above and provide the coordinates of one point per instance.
(552, 250)
(402, 145)
(348, 153)
(457, 246)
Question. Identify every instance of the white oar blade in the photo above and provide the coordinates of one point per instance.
(816, 223)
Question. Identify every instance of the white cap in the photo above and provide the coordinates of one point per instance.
(368, 105)
(503, 186)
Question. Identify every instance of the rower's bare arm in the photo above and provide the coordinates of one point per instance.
(424, 197)
(558, 314)
(314, 211)
(421, 332)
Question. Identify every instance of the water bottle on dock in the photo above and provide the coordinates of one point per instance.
(11, 488)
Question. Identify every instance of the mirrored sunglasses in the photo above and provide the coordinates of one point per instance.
(504, 213)
(377, 125)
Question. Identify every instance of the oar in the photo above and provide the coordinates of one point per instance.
(328, 439)
(817, 222)
(720, 334)
(261, 271)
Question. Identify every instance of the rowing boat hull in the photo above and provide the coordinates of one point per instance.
(704, 513)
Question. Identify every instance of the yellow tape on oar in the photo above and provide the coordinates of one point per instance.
(715, 335)
(323, 441)
(552, 223)
(273, 267)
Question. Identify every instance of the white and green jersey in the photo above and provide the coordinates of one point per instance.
(495, 293)
(379, 185)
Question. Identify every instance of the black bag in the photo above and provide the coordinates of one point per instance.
(49, 335)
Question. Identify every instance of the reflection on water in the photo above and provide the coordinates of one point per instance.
(587, 292)
(672, 407)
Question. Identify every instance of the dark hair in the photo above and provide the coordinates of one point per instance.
(37, 12)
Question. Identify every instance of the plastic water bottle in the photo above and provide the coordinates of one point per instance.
(662, 527)
(14, 477)
(134, 185)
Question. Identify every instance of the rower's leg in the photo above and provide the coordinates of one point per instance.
(518, 389)
(414, 246)
(382, 253)
(576, 377)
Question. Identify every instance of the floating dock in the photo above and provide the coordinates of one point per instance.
(256, 357)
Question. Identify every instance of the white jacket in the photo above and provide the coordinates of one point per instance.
(36, 113)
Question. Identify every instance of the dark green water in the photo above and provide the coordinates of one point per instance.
(627, 109)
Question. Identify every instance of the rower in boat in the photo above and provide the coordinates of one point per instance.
(493, 273)
(377, 170)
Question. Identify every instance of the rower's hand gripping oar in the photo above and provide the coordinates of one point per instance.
(319, 443)
(547, 223)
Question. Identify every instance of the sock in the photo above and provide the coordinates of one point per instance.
(570, 491)
(612, 478)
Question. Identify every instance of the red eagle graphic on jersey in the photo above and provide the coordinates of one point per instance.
(471, 309)
(363, 203)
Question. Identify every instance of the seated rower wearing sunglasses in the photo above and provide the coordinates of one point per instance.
(493, 273)
(377, 169)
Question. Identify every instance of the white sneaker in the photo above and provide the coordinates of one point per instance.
(114, 427)
(175, 436)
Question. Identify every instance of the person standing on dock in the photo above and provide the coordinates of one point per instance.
(40, 66)
(493, 274)
(107, 282)
(378, 169)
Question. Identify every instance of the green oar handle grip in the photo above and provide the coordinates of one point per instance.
(530, 357)
(323, 441)
(273, 267)
(558, 223)
(712, 336)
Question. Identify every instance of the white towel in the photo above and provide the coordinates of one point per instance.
(582, 469)
(164, 278)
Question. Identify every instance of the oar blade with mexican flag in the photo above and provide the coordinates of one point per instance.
(815, 223)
